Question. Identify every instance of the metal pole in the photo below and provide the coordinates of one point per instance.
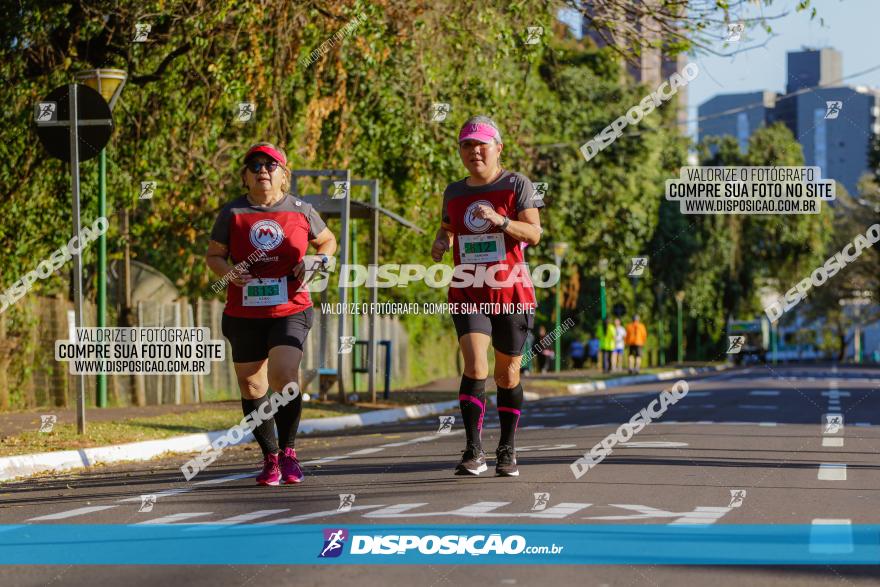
(680, 333)
(602, 297)
(662, 349)
(77, 258)
(374, 293)
(354, 299)
(343, 291)
(558, 344)
(102, 269)
(774, 335)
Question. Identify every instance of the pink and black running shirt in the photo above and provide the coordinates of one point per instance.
(283, 232)
(509, 194)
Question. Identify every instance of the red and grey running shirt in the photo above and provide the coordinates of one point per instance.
(478, 242)
(282, 231)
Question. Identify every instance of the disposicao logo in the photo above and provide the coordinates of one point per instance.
(334, 542)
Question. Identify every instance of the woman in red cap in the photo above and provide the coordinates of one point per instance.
(257, 244)
(486, 217)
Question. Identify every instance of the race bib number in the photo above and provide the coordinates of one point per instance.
(481, 248)
(265, 292)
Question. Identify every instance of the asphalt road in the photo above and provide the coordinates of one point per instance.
(759, 430)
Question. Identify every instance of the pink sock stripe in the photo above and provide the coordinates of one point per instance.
(511, 410)
(463, 397)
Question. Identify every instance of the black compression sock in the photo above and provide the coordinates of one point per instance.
(472, 401)
(510, 403)
(265, 432)
(287, 419)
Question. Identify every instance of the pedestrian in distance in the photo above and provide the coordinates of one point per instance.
(619, 344)
(593, 351)
(636, 337)
(258, 245)
(577, 352)
(606, 344)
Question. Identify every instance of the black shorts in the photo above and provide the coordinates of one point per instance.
(635, 350)
(508, 331)
(251, 338)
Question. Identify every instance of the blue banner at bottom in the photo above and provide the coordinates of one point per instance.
(206, 544)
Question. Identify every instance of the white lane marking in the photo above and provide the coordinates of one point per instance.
(652, 444)
(705, 422)
(239, 519)
(482, 509)
(828, 441)
(313, 515)
(863, 424)
(700, 514)
(174, 518)
(72, 513)
(835, 393)
(757, 407)
(365, 451)
(165, 493)
(547, 414)
(566, 427)
(836, 540)
(219, 480)
(767, 424)
(544, 447)
(765, 392)
(699, 394)
(832, 472)
(325, 460)
(419, 439)
(534, 427)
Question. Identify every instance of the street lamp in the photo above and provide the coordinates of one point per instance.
(559, 249)
(859, 299)
(108, 83)
(679, 298)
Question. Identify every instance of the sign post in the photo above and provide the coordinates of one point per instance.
(59, 118)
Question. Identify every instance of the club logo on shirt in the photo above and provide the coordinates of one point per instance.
(472, 221)
(266, 235)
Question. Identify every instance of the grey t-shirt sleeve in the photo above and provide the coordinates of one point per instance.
(316, 224)
(220, 232)
(526, 195)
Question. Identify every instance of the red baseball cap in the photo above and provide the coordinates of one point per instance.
(266, 149)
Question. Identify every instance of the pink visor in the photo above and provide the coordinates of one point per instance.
(484, 133)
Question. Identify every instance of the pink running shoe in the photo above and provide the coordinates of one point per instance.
(290, 469)
(271, 474)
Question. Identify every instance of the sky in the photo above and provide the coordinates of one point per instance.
(850, 26)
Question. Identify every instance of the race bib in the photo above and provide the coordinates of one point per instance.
(264, 292)
(481, 248)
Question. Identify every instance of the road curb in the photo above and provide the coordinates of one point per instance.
(582, 388)
(27, 465)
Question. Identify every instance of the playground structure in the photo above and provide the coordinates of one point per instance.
(334, 201)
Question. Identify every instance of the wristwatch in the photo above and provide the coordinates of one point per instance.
(506, 223)
(324, 260)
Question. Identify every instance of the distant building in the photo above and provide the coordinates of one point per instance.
(751, 111)
(834, 123)
(653, 65)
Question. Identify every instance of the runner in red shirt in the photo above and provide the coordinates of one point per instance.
(265, 235)
(486, 218)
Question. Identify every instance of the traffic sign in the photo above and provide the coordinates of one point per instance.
(94, 124)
